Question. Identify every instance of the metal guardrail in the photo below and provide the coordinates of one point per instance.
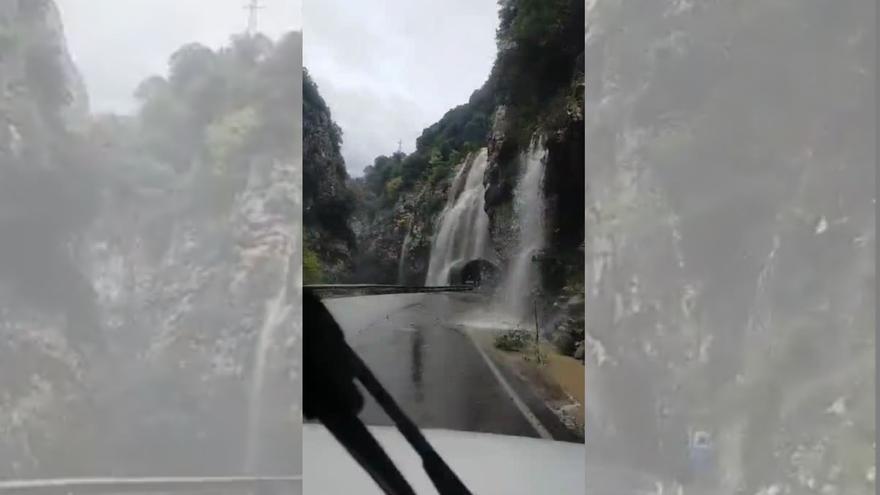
(118, 486)
(350, 290)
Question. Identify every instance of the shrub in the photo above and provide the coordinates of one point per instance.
(440, 171)
(537, 22)
(313, 273)
(228, 136)
(513, 340)
(393, 187)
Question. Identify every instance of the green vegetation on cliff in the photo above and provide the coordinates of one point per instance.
(536, 75)
(201, 133)
(328, 203)
(535, 87)
(732, 167)
(216, 109)
(48, 182)
(194, 138)
(156, 238)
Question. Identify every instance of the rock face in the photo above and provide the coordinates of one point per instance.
(534, 92)
(48, 314)
(140, 332)
(501, 179)
(394, 244)
(194, 313)
(328, 202)
(730, 238)
(77, 111)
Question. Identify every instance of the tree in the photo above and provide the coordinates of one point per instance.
(229, 136)
(151, 88)
(312, 271)
(189, 65)
(46, 77)
(392, 188)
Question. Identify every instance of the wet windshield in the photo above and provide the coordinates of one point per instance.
(730, 244)
(149, 224)
(453, 263)
(631, 235)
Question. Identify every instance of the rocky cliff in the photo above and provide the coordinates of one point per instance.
(394, 239)
(49, 317)
(730, 239)
(148, 277)
(328, 202)
(535, 90)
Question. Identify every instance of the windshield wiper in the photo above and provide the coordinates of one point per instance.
(330, 369)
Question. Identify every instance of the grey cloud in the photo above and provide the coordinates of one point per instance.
(390, 68)
(375, 121)
(118, 43)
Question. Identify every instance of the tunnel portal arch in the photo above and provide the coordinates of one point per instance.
(478, 272)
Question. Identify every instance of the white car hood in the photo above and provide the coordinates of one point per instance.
(487, 464)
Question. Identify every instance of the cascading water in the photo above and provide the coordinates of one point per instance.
(463, 228)
(401, 266)
(275, 315)
(522, 275)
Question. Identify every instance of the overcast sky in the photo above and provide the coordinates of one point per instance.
(387, 68)
(390, 68)
(118, 43)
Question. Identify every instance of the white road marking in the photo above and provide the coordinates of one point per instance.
(523, 408)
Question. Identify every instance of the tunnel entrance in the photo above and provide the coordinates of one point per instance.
(478, 272)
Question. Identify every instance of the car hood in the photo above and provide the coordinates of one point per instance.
(486, 463)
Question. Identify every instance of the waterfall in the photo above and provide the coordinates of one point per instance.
(522, 274)
(275, 315)
(463, 229)
(401, 266)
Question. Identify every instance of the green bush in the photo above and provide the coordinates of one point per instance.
(229, 135)
(413, 168)
(313, 273)
(440, 171)
(536, 22)
(513, 340)
(392, 188)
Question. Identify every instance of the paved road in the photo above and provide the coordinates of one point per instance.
(427, 363)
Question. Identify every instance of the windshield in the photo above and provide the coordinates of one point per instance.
(729, 236)
(454, 269)
(627, 239)
(149, 239)
(730, 244)
(452, 257)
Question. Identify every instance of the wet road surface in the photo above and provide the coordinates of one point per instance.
(427, 363)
